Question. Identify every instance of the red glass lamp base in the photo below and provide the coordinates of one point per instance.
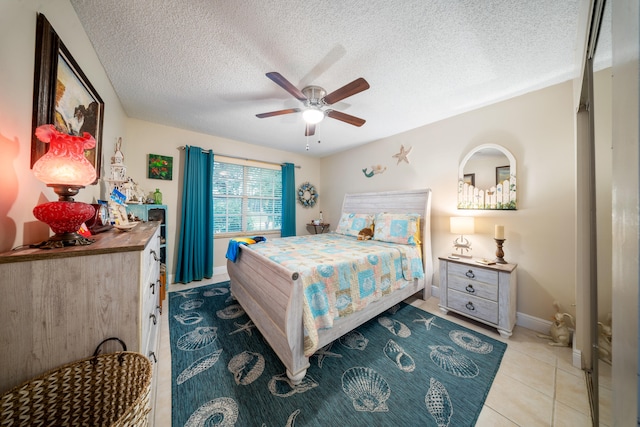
(65, 219)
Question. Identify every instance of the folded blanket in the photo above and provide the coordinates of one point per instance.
(232, 249)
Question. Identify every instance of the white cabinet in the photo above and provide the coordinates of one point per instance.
(486, 293)
(59, 304)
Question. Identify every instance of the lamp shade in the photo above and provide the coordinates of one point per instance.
(462, 225)
(65, 162)
(312, 115)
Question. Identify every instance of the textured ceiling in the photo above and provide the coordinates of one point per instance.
(200, 64)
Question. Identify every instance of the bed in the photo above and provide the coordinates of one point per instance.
(273, 295)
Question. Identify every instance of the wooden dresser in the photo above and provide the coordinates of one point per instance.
(57, 305)
(486, 293)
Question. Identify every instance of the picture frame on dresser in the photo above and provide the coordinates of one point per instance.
(63, 95)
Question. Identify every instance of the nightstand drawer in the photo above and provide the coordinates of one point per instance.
(473, 306)
(476, 274)
(474, 287)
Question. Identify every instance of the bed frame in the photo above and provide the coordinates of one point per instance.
(273, 296)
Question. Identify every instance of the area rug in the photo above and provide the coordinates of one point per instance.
(406, 367)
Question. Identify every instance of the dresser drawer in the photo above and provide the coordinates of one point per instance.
(473, 281)
(473, 306)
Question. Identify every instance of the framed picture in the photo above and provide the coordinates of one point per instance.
(470, 178)
(502, 173)
(63, 96)
(160, 167)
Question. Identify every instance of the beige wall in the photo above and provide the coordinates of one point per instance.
(538, 130)
(144, 138)
(20, 191)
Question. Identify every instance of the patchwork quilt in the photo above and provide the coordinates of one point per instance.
(341, 274)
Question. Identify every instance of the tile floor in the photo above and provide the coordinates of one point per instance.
(536, 384)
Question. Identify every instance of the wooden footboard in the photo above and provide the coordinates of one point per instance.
(272, 296)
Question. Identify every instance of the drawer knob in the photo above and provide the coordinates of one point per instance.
(154, 318)
(470, 289)
(152, 357)
(470, 306)
(155, 256)
(153, 288)
(470, 274)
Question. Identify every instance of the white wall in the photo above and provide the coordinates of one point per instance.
(144, 138)
(538, 130)
(20, 191)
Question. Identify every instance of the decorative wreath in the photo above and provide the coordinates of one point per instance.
(307, 195)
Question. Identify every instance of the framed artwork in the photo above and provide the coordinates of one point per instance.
(160, 167)
(63, 96)
(470, 178)
(502, 173)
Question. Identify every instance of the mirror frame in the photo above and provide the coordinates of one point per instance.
(508, 200)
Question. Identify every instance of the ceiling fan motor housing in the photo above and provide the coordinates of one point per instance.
(315, 95)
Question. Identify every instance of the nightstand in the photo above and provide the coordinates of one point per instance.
(319, 228)
(486, 293)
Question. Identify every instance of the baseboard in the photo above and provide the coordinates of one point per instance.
(576, 355)
(217, 271)
(220, 270)
(534, 323)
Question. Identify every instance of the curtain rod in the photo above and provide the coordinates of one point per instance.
(182, 147)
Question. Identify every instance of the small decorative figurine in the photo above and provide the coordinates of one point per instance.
(559, 332)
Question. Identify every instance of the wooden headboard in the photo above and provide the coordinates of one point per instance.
(401, 201)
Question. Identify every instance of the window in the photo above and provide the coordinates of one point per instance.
(246, 198)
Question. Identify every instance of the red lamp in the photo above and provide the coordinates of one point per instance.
(65, 169)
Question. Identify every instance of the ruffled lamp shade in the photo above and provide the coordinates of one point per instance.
(64, 168)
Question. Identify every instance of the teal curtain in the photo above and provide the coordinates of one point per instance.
(195, 249)
(288, 200)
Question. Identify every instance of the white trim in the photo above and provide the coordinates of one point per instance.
(222, 270)
(534, 323)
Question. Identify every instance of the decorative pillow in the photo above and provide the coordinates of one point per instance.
(397, 228)
(350, 223)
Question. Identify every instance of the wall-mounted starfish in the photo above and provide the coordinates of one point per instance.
(402, 155)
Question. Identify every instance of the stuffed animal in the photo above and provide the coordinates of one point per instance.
(559, 332)
(365, 234)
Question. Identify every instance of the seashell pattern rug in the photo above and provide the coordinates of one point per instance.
(406, 367)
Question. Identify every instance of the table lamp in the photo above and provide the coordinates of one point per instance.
(462, 225)
(65, 169)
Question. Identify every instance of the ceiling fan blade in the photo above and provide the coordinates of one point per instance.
(310, 130)
(278, 113)
(352, 120)
(286, 85)
(350, 89)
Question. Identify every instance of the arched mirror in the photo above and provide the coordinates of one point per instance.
(487, 179)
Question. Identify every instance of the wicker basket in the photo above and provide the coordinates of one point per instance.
(103, 390)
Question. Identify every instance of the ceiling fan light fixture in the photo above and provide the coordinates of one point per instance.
(313, 115)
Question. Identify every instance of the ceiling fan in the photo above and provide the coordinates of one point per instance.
(314, 99)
